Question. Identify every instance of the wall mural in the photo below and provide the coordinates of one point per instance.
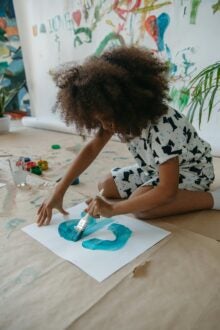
(183, 33)
(12, 73)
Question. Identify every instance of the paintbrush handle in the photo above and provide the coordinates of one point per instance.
(100, 193)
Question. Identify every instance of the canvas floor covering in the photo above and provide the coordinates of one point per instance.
(174, 285)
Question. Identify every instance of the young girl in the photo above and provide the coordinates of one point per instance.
(125, 92)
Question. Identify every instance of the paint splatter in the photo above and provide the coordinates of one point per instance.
(76, 15)
(122, 11)
(109, 22)
(156, 27)
(112, 37)
(187, 64)
(37, 201)
(194, 10)
(83, 35)
(43, 28)
(180, 97)
(97, 16)
(122, 235)
(14, 223)
(35, 30)
(109, 152)
(172, 65)
(150, 5)
(76, 148)
(25, 277)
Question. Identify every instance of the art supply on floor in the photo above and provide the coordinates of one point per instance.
(35, 167)
(56, 146)
(43, 164)
(25, 159)
(29, 165)
(18, 173)
(83, 222)
(36, 170)
(74, 182)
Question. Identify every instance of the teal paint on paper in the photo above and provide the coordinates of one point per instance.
(122, 235)
(67, 229)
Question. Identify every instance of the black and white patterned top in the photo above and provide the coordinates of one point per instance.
(172, 136)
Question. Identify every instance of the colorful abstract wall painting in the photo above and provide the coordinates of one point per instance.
(183, 33)
(107, 244)
(12, 72)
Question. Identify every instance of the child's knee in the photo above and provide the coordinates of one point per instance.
(109, 186)
(105, 184)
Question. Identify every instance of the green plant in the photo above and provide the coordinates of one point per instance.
(3, 100)
(6, 96)
(205, 87)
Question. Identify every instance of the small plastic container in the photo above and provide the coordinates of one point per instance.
(18, 173)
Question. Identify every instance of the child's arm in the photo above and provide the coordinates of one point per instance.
(83, 160)
(80, 163)
(162, 194)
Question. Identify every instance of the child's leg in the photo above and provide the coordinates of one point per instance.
(185, 201)
(216, 199)
(122, 182)
(109, 186)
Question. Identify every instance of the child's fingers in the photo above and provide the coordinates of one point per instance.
(40, 208)
(90, 207)
(42, 218)
(39, 216)
(93, 207)
(49, 216)
(88, 201)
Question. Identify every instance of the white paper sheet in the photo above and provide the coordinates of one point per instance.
(99, 264)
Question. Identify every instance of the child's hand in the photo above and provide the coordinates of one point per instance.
(98, 207)
(45, 211)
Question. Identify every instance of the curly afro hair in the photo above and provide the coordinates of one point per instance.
(126, 85)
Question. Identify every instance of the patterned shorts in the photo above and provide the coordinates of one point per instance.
(128, 179)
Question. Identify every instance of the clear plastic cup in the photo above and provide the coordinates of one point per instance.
(18, 173)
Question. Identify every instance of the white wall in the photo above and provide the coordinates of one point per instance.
(188, 44)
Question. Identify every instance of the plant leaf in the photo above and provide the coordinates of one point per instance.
(204, 84)
(212, 97)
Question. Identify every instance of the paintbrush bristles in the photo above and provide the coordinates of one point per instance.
(82, 224)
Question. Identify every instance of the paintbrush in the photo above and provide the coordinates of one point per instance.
(83, 222)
